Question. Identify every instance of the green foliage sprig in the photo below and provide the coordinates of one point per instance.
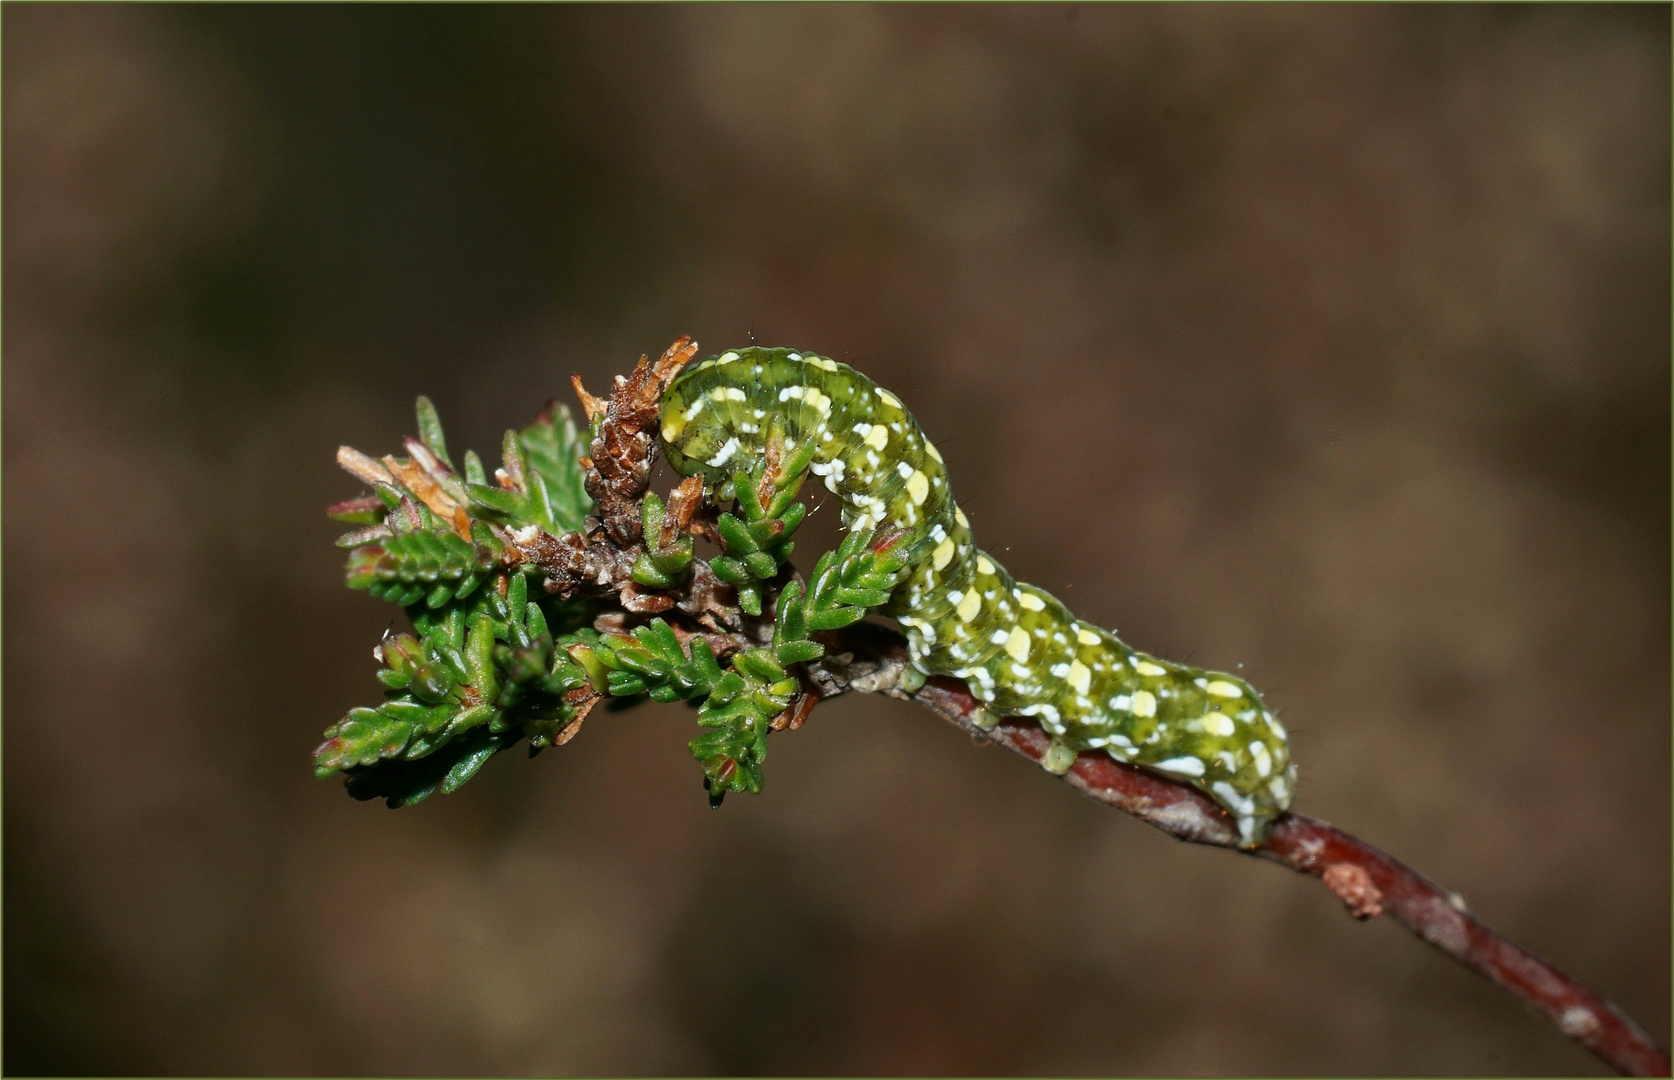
(757, 540)
(479, 671)
(493, 659)
(740, 703)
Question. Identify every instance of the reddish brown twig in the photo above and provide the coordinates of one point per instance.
(1368, 881)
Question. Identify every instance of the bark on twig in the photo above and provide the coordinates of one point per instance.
(1369, 882)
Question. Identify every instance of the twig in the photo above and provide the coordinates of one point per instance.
(869, 658)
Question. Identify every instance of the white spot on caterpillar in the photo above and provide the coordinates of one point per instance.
(1183, 766)
(903, 469)
(1086, 637)
(732, 393)
(1263, 761)
(694, 408)
(1277, 728)
(1080, 677)
(918, 487)
(1145, 667)
(942, 555)
(1030, 600)
(1144, 704)
(1218, 723)
(790, 392)
(726, 358)
(1121, 702)
(724, 454)
(999, 637)
(796, 356)
(1230, 797)
(1017, 644)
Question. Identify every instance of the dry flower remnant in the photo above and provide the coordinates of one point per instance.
(565, 581)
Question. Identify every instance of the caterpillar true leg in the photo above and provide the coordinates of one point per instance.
(1018, 648)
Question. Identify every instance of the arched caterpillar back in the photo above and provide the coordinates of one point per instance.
(1018, 648)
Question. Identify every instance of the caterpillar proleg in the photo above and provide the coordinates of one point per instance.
(1018, 648)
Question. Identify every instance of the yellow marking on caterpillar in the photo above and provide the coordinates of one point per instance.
(1080, 677)
(918, 487)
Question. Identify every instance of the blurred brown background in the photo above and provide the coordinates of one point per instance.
(1329, 342)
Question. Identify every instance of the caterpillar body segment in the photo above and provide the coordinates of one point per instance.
(1021, 652)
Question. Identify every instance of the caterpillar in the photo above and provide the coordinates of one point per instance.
(1019, 649)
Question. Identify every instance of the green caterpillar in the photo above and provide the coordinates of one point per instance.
(1018, 648)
